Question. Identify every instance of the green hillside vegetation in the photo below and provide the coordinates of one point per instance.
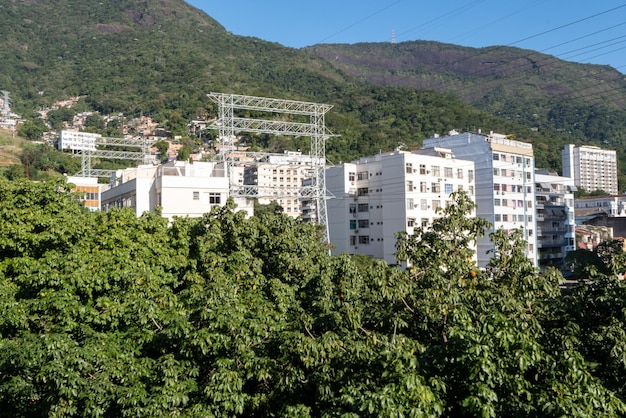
(162, 58)
(107, 314)
(563, 101)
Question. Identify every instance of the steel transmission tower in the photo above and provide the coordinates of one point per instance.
(229, 124)
(87, 153)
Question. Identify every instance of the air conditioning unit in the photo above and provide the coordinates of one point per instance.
(356, 231)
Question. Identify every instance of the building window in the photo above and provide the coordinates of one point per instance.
(196, 195)
(409, 204)
(447, 172)
(352, 239)
(351, 176)
(447, 188)
(496, 202)
(364, 239)
(215, 198)
(364, 223)
(496, 156)
(410, 222)
(409, 185)
(362, 175)
(361, 191)
(409, 168)
(498, 217)
(352, 223)
(470, 175)
(435, 170)
(423, 204)
(436, 204)
(505, 217)
(352, 208)
(435, 187)
(423, 187)
(363, 207)
(422, 168)
(424, 222)
(459, 173)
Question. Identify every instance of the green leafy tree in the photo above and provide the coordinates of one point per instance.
(162, 148)
(32, 129)
(108, 314)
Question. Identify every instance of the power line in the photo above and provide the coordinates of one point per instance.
(359, 21)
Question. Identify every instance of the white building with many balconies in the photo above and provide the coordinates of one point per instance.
(556, 220)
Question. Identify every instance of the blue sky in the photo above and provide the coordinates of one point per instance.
(574, 30)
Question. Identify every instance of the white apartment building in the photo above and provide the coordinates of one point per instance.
(77, 141)
(179, 188)
(376, 197)
(592, 168)
(505, 185)
(556, 220)
(280, 178)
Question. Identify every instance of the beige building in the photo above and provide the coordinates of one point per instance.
(280, 178)
(592, 168)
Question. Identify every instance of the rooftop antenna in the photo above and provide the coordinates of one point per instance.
(393, 36)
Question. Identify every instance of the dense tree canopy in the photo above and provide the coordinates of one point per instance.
(107, 314)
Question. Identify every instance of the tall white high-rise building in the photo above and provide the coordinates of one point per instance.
(592, 168)
(505, 185)
(376, 197)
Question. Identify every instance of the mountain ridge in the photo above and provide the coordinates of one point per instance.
(161, 58)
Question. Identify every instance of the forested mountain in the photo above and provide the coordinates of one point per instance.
(535, 89)
(160, 58)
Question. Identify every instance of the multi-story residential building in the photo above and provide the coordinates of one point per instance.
(603, 211)
(178, 188)
(376, 197)
(505, 185)
(77, 141)
(89, 191)
(279, 178)
(592, 168)
(556, 221)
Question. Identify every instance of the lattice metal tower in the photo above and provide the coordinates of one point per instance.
(87, 153)
(229, 124)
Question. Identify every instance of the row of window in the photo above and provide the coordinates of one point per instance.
(508, 158)
(213, 198)
(423, 204)
(513, 188)
(435, 171)
(512, 217)
(435, 187)
(512, 203)
(361, 239)
(504, 172)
